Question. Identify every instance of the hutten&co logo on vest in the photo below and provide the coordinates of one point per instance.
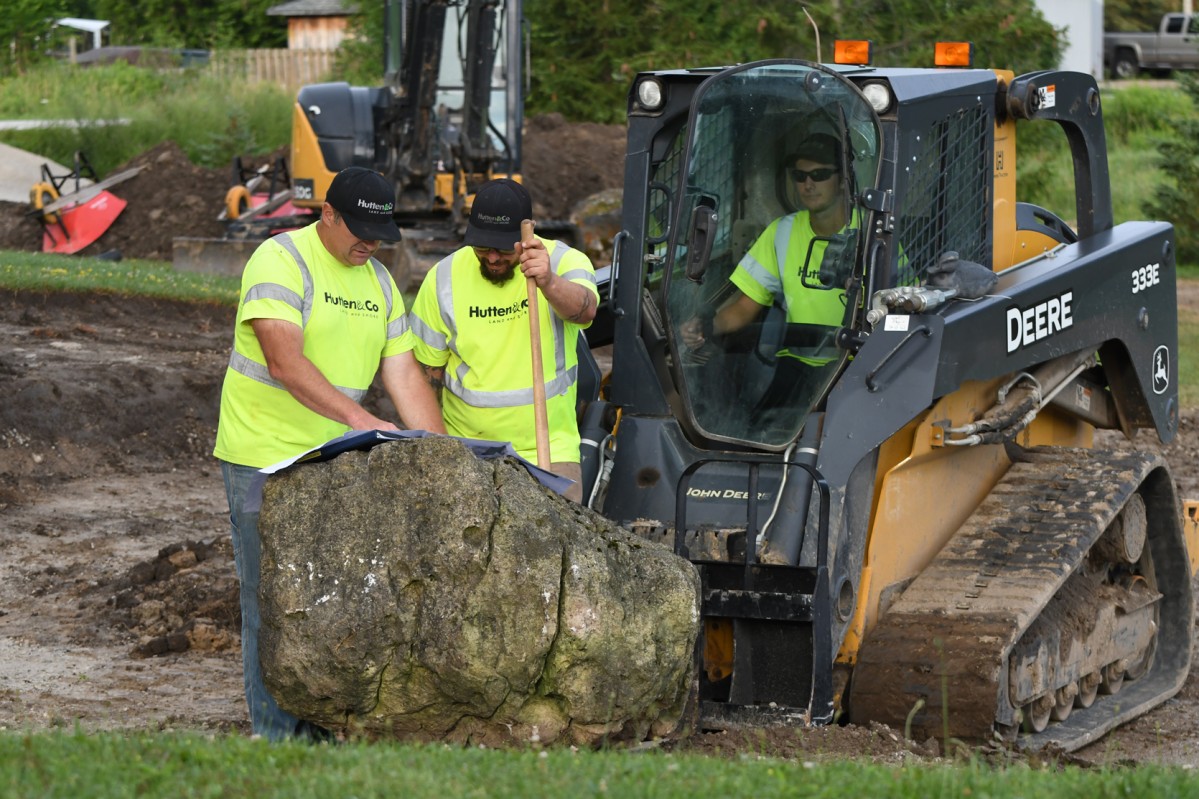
(497, 312)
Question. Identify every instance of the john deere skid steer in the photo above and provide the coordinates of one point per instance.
(943, 522)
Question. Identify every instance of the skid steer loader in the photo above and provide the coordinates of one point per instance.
(943, 526)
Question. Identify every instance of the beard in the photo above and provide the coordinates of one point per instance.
(499, 279)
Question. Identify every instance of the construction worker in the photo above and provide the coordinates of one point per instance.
(770, 271)
(473, 334)
(318, 318)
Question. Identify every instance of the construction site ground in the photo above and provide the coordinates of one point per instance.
(118, 603)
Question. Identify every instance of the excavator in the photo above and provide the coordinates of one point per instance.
(957, 521)
(448, 119)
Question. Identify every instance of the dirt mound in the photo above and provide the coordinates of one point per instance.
(184, 598)
(563, 164)
(131, 380)
(170, 197)
(566, 162)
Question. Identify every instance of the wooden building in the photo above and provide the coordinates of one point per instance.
(315, 24)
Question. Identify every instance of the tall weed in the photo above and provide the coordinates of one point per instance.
(1138, 122)
(1176, 196)
(211, 120)
(1132, 112)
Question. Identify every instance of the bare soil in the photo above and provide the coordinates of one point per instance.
(118, 599)
(564, 163)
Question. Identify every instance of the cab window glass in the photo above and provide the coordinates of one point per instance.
(766, 234)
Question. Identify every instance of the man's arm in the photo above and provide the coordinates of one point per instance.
(737, 312)
(574, 302)
(435, 377)
(411, 393)
(283, 345)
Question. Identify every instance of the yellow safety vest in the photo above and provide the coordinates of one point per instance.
(352, 317)
(760, 276)
(480, 333)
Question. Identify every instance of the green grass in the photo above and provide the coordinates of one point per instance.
(62, 764)
(47, 272)
(1188, 357)
(1135, 121)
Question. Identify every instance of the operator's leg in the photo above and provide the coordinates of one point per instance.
(571, 471)
(791, 382)
(266, 717)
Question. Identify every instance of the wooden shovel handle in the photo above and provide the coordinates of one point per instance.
(540, 415)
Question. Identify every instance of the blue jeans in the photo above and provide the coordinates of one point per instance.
(266, 717)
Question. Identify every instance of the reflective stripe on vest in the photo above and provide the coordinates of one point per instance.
(563, 378)
(773, 283)
(273, 291)
(256, 371)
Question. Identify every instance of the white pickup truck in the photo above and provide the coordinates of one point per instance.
(1175, 45)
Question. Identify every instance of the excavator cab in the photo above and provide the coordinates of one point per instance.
(916, 526)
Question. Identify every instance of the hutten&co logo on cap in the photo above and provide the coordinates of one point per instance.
(373, 206)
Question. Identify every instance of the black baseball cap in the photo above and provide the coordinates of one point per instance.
(496, 214)
(819, 148)
(366, 201)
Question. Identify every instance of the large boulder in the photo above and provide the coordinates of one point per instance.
(417, 591)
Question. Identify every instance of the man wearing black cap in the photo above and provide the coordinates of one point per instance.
(473, 331)
(318, 318)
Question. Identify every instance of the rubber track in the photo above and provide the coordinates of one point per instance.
(951, 631)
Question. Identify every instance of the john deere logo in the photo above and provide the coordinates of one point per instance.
(1161, 369)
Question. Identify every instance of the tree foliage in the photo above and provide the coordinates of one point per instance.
(585, 53)
(359, 59)
(185, 23)
(25, 27)
(1007, 34)
(1135, 15)
(1177, 198)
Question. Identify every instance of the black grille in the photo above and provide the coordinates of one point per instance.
(947, 205)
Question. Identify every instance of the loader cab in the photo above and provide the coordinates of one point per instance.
(738, 230)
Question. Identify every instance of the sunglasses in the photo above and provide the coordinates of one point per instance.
(816, 175)
(484, 251)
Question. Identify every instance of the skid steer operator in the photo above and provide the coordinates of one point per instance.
(318, 317)
(473, 334)
(761, 279)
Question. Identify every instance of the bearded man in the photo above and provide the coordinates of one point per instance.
(471, 320)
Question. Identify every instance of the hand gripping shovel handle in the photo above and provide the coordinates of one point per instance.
(540, 414)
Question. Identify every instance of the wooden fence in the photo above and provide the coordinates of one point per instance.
(290, 69)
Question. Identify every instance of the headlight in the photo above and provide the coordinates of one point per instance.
(649, 94)
(879, 96)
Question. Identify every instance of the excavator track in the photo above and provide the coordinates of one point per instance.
(1060, 609)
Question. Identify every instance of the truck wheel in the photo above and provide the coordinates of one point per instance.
(1125, 67)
